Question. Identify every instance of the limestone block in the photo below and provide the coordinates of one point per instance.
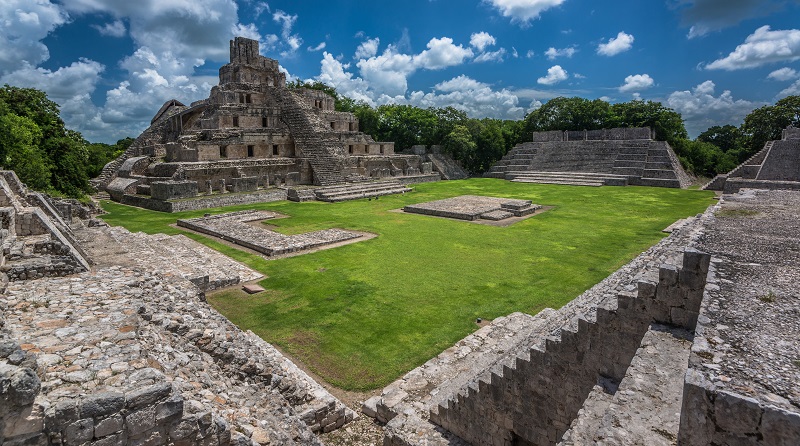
(79, 431)
(780, 427)
(168, 190)
(108, 426)
(141, 420)
(245, 184)
(102, 404)
(736, 413)
(27, 421)
(147, 395)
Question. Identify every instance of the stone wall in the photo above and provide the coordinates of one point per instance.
(615, 134)
(535, 399)
(205, 202)
(169, 190)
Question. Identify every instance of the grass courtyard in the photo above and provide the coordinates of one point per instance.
(363, 314)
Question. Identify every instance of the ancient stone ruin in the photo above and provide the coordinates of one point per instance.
(776, 166)
(610, 157)
(472, 207)
(106, 339)
(252, 134)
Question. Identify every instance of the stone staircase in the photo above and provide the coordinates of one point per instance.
(568, 178)
(324, 153)
(517, 159)
(592, 163)
(355, 191)
(645, 407)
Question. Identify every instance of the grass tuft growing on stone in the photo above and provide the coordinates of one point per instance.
(361, 315)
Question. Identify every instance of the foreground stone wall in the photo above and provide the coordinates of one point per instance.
(742, 383)
(535, 399)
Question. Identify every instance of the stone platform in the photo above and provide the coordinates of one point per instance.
(474, 207)
(234, 227)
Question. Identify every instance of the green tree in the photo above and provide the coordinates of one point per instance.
(667, 123)
(766, 123)
(19, 151)
(406, 125)
(460, 145)
(568, 114)
(59, 151)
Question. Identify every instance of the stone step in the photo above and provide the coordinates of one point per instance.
(629, 171)
(639, 164)
(564, 181)
(645, 407)
(632, 157)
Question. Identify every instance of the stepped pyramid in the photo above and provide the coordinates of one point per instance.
(776, 166)
(611, 157)
(250, 134)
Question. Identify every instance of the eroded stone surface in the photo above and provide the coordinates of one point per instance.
(234, 227)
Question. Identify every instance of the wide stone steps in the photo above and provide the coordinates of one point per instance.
(645, 407)
(573, 178)
(360, 190)
(307, 127)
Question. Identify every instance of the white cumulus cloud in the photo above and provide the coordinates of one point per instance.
(784, 74)
(523, 11)
(615, 45)
(113, 29)
(368, 48)
(762, 47)
(701, 109)
(636, 82)
(555, 74)
(554, 53)
(23, 24)
(491, 56)
(481, 40)
(442, 53)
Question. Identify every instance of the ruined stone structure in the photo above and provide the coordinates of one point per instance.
(251, 133)
(126, 351)
(679, 345)
(776, 166)
(36, 241)
(611, 157)
(472, 207)
(694, 341)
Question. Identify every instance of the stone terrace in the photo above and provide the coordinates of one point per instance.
(473, 207)
(407, 403)
(234, 227)
(744, 370)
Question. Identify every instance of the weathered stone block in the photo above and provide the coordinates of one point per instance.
(141, 420)
(736, 413)
(169, 190)
(25, 422)
(108, 426)
(147, 395)
(779, 426)
(102, 404)
(79, 431)
(169, 408)
(244, 184)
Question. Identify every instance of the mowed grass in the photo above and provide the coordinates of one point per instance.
(361, 315)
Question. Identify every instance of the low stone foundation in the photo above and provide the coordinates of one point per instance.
(233, 227)
(472, 207)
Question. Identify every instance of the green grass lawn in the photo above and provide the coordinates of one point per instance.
(361, 315)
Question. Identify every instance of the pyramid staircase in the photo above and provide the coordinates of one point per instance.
(324, 153)
(644, 163)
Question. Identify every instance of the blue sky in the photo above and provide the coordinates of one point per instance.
(110, 64)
